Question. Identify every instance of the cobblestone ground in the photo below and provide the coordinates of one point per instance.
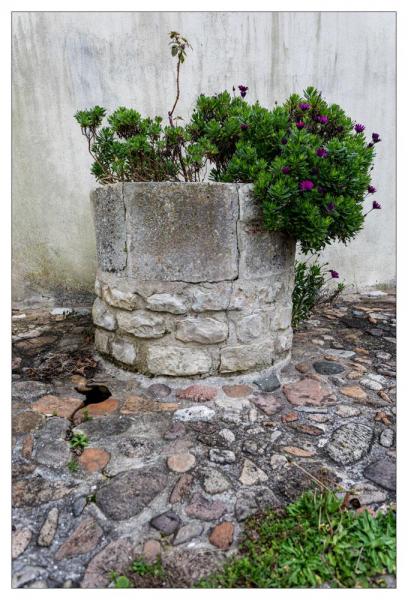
(174, 470)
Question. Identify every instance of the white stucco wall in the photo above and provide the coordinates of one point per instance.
(63, 62)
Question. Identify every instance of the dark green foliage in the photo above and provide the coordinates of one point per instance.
(312, 542)
(277, 156)
(304, 141)
(310, 280)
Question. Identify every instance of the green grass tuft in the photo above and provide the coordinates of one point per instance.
(310, 543)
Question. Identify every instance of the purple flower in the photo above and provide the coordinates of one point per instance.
(334, 274)
(330, 207)
(376, 205)
(376, 138)
(322, 152)
(243, 89)
(323, 119)
(285, 170)
(306, 185)
(371, 189)
(370, 145)
(284, 141)
(300, 124)
(244, 126)
(359, 128)
(304, 106)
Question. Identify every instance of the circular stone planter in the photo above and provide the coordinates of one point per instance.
(189, 284)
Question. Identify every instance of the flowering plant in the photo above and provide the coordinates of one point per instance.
(309, 163)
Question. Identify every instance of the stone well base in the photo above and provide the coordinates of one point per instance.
(202, 295)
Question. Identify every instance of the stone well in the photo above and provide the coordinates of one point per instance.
(189, 284)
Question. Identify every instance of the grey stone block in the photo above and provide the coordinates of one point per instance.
(202, 330)
(142, 323)
(103, 341)
(167, 303)
(124, 351)
(176, 360)
(103, 316)
(121, 298)
(250, 209)
(262, 252)
(210, 296)
(246, 357)
(110, 227)
(251, 327)
(182, 231)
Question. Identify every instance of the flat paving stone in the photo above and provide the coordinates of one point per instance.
(345, 411)
(181, 489)
(251, 474)
(48, 528)
(299, 452)
(354, 391)
(26, 422)
(116, 556)
(36, 491)
(195, 413)
(387, 438)
(268, 383)
(222, 457)
(197, 393)
(151, 551)
(306, 392)
(159, 390)
(128, 493)
(349, 443)
(20, 539)
(187, 533)
(383, 473)
(138, 404)
(324, 367)
(222, 535)
(180, 463)
(237, 391)
(215, 482)
(57, 406)
(82, 540)
(106, 407)
(94, 459)
(167, 523)
(176, 430)
(267, 403)
(204, 509)
(334, 352)
(103, 427)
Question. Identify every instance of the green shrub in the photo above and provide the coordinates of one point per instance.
(309, 163)
(310, 281)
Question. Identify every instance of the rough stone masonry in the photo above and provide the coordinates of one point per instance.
(189, 283)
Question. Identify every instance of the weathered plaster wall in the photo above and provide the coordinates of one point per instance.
(66, 61)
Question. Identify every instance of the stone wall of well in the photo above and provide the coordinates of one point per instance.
(188, 281)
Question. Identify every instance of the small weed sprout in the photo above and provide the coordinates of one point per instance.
(79, 440)
(73, 465)
(86, 415)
